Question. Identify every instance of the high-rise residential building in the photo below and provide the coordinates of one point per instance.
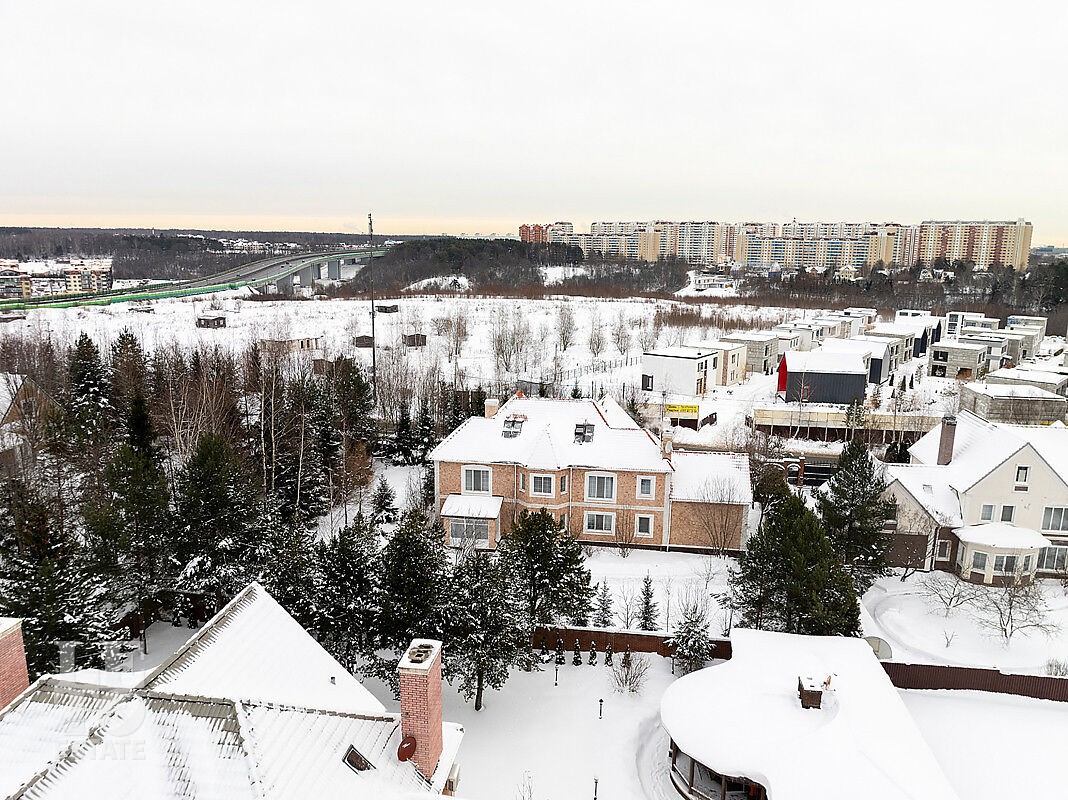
(800, 244)
(983, 244)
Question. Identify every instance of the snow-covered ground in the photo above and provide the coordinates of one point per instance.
(446, 283)
(993, 746)
(919, 630)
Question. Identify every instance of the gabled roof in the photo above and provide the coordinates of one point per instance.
(546, 438)
(120, 738)
(711, 478)
(929, 487)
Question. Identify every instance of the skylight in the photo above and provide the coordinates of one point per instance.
(355, 760)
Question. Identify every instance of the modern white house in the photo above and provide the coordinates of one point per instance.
(693, 369)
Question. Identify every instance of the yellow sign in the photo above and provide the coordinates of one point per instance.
(678, 409)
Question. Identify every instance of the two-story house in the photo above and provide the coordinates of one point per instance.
(592, 467)
(988, 500)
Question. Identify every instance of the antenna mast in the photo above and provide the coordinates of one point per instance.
(371, 282)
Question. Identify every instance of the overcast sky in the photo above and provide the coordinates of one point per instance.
(476, 116)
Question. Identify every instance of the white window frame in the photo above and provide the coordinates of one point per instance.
(1021, 485)
(535, 477)
(942, 554)
(1012, 514)
(563, 484)
(652, 525)
(596, 531)
(609, 475)
(638, 487)
(1051, 511)
(983, 516)
(468, 533)
(522, 481)
(1003, 559)
(986, 560)
(468, 468)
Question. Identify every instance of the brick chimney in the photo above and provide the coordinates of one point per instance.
(420, 698)
(14, 677)
(946, 436)
(492, 404)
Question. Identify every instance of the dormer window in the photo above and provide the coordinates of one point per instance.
(513, 426)
(583, 432)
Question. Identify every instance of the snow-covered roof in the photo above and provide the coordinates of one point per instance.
(1031, 375)
(1002, 535)
(901, 328)
(92, 735)
(1012, 390)
(870, 346)
(680, 351)
(472, 506)
(226, 657)
(711, 477)
(751, 336)
(744, 718)
(825, 361)
(7, 623)
(956, 344)
(929, 486)
(980, 446)
(546, 437)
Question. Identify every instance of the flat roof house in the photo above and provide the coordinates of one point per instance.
(914, 335)
(762, 349)
(821, 376)
(593, 468)
(1014, 403)
(875, 348)
(693, 369)
(955, 359)
(1018, 376)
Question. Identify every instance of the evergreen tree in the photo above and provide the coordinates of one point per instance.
(414, 583)
(88, 415)
(608, 654)
(383, 504)
(129, 370)
(289, 570)
(428, 490)
(593, 652)
(484, 636)
(603, 616)
(547, 567)
(854, 512)
(559, 651)
(425, 435)
(691, 643)
(405, 446)
(44, 581)
(214, 520)
(789, 578)
(576, 659)
(576, 392)
(348, 593)
(649, 611)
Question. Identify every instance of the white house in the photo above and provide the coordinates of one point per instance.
(693, 369)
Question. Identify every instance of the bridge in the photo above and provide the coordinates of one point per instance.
(282, 273)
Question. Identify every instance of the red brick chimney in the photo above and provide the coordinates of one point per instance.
(946, 436)
(14, 678)
(420, 697)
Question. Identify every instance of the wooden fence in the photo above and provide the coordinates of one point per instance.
(937, 676)
(638, 641)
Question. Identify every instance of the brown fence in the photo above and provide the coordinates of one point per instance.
(637, 641)
(935, 676)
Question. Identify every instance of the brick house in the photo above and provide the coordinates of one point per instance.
(590, 465)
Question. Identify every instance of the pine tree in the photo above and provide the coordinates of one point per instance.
(428, 490)
(44, 581)
(484, 634)
(854, 513)
(88, 414)
(690, 641)
(593, 652)
(405, 447)
(425, 435)
(289, 567)
(576, 392)
(608, 654)
(789, 578)
(559, 651)
(544, 654)
(576, 660)
(348, 591)
(129, 370)
(383, 504)
(546, 566)
(911, 382)
(603, 616)
(649, 611)
(414, 583)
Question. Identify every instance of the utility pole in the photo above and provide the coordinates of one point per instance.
(371, 282)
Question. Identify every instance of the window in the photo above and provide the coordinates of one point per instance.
(647, 383)
(600, 487)
(1022, 474)
(941, 355)
(541, 485)
(1053, 559)
(943, 550)
(979, 562)
(1007, 513)
(1005, 565)
(600, 523)
(1027, 565)
(522, 481)
(477, 480)
(466, 529)
(646, 487)
(643, 525)
(1055, 518)
(355, 760)
(987, 513)
(563, 484)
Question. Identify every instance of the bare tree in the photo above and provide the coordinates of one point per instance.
(525, 789)
(629, 673)
(947, 591)
(648, 333)
(596, 341)
(623, 534)
(1020, 606)
(565, 325)
(721, 507)
(621, 333)
(629, 607)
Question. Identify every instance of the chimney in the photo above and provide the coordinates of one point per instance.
(14, 677)
(492, 404)
(810, 691)
(946, 436)
(420, 697)
(666, 436)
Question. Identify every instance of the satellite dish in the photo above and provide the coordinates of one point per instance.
(407, 748)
